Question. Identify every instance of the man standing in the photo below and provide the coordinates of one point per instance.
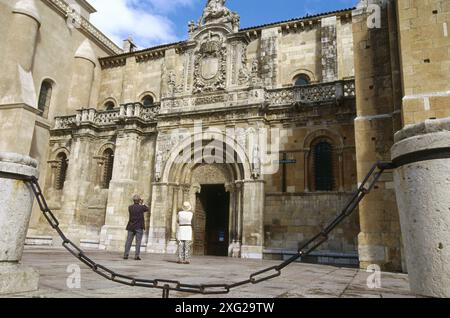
(135, 226)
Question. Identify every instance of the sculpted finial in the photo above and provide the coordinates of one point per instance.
(216, 12)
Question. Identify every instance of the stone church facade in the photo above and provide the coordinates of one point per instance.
(298, 110)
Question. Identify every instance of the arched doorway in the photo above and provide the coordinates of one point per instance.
(220, 193)
(213, 230)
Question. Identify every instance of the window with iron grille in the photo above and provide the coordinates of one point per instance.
(107, 168)
(323, 166)
(61, 171)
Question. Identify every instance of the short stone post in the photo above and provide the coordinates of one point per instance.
(16, 201)
(423, 196)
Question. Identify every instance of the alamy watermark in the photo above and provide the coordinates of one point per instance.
(256, 148)
(374, 279)
(374, 19)
(74, 279)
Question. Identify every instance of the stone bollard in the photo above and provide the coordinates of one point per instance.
(423, 197)
(16, 201)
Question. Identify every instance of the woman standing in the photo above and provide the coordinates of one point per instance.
(184, 234)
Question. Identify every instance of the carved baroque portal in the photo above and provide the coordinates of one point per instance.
(210, 66)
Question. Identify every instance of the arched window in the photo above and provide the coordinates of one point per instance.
(109, 105)
(302, 80)
(323, 166)
(148, 101)
(108, 156)
(45, 96)
(61, 171)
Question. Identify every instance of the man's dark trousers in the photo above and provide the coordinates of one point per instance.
(131, 234)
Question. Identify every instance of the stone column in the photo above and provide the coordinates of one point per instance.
(16, 201)
(161, 210)
(379, 240)
(329, 49)
(177, 195)
(239, 195)
(123, 186)
(253, 222)
(268, 65)
(423, 197)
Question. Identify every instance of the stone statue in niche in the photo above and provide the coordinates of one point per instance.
(244, 75)
(256, 162)
(255, 76)
(171, 82)
(158, 166)
(255, 67)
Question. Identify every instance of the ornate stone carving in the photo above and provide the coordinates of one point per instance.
(65, 122)
(216, 12)
(158, 165)
(241, 137)
(171, 82)
(210, 65)
(211, 100)
(310, 94)
(255, 76)
(191, 27)
(256, 162)
(244, 74)
(106, 118)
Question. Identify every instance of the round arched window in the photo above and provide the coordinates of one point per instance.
(148, 101)
(109, 105)
(45, 96)
(302, 80)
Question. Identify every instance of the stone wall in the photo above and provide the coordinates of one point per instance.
(425, 43)
(297, 147)
(292, 219)
(377, 102)
(53, 59)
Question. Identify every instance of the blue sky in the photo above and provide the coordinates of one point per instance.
(155, 22)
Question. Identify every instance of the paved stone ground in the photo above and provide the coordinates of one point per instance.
(297, 281)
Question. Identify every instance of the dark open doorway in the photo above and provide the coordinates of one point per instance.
(211, 225)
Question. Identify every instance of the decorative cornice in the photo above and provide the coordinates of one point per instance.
(111, 62)
(309, 19)
(248, 34)
(86, 27)
(150, 55)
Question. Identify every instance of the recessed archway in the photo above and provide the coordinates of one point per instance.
(191, 169)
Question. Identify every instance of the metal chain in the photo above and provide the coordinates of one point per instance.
(208, 289)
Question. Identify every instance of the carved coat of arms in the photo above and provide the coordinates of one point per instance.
(210, 66)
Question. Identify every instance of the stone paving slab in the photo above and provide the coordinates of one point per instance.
(297, 281)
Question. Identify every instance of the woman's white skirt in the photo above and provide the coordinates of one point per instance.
(184, 233)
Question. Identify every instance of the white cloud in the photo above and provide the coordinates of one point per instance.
(145, 20)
